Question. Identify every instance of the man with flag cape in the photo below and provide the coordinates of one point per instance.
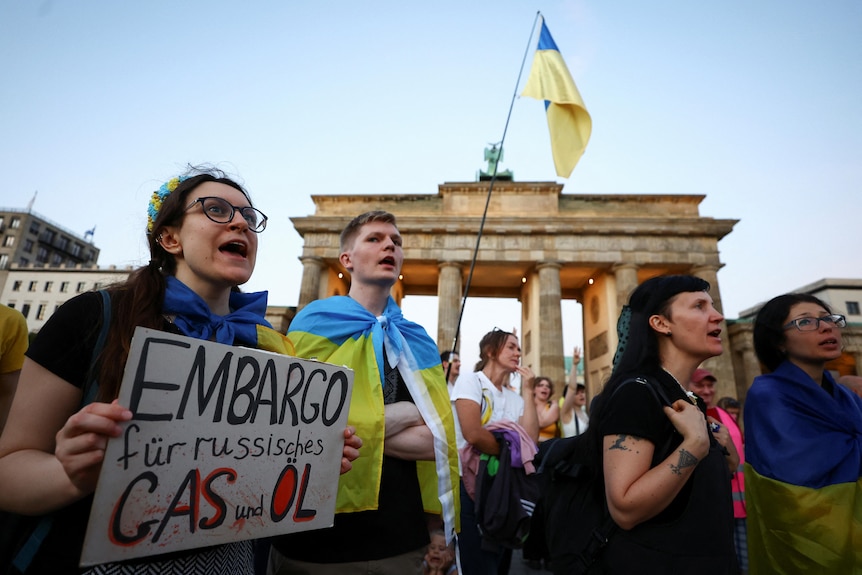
(400, 408)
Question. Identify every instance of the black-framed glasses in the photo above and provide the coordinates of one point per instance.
(813, 323)
(222, 211)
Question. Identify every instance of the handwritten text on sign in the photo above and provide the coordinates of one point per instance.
(225, 444)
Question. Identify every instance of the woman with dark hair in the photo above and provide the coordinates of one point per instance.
(483, 398)
(665, 478)
(803, 435)
(202, 232)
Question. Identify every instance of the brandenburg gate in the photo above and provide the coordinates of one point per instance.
(539, 246)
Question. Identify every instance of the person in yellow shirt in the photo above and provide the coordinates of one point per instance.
(13, 344)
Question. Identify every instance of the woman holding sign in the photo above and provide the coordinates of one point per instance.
(203, 234)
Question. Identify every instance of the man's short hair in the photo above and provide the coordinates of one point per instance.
(349, 233)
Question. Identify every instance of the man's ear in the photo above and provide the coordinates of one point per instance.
(169, 239)
(660, 324)
(344, 258)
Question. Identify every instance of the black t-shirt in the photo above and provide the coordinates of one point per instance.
(398, 524)
(703, 506)
(65, 343)
(633, 410)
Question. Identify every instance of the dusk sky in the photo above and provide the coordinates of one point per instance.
(755, 105)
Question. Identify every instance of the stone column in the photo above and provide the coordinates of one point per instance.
(309, 290)
(448, 303)
(550, 336)
(751, 367)
(626, 280)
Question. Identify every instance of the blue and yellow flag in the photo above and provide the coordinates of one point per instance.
(339, 330)
(568, 120)
(803, 465)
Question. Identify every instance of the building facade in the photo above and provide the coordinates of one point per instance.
(37, 291)
(28, 238)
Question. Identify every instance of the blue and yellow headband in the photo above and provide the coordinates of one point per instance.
(158, 198)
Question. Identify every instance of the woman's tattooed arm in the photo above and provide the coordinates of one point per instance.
(625, 442)
(686, 459)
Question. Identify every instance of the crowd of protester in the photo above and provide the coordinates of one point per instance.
(689, 487)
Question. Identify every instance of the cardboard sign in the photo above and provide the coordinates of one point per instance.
(225, 444)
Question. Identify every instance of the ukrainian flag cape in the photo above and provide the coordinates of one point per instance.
(339, 330)
(270, 340)
(803, 491)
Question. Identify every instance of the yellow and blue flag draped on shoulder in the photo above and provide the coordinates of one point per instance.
(568, 120)
(339, 330)
(270, 340)
(803, 450)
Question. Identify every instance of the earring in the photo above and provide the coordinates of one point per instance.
(159, 239)
(668, 334)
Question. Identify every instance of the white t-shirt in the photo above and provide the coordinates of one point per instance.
(495, 404)
(570, 429)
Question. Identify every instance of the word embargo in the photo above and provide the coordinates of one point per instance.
(240, 388)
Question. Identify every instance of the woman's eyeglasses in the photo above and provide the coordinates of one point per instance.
(221, 211)
(813, 323)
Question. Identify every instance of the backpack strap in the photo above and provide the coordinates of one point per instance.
(657, 390)
(91, 385)
(663, 400)
(598, 540)
(28, 551)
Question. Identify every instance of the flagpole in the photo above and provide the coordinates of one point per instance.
(488, 198)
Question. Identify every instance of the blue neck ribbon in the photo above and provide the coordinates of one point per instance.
(194, 318)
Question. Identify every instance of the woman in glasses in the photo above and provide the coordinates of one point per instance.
(202, 233)
(803, 436)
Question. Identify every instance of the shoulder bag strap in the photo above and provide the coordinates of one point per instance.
(91, 385)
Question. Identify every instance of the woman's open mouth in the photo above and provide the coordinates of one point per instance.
(238, 248)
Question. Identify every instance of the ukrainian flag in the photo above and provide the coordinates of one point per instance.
(338, 330)
(794, 529)
(568, 120)
(803, 490)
